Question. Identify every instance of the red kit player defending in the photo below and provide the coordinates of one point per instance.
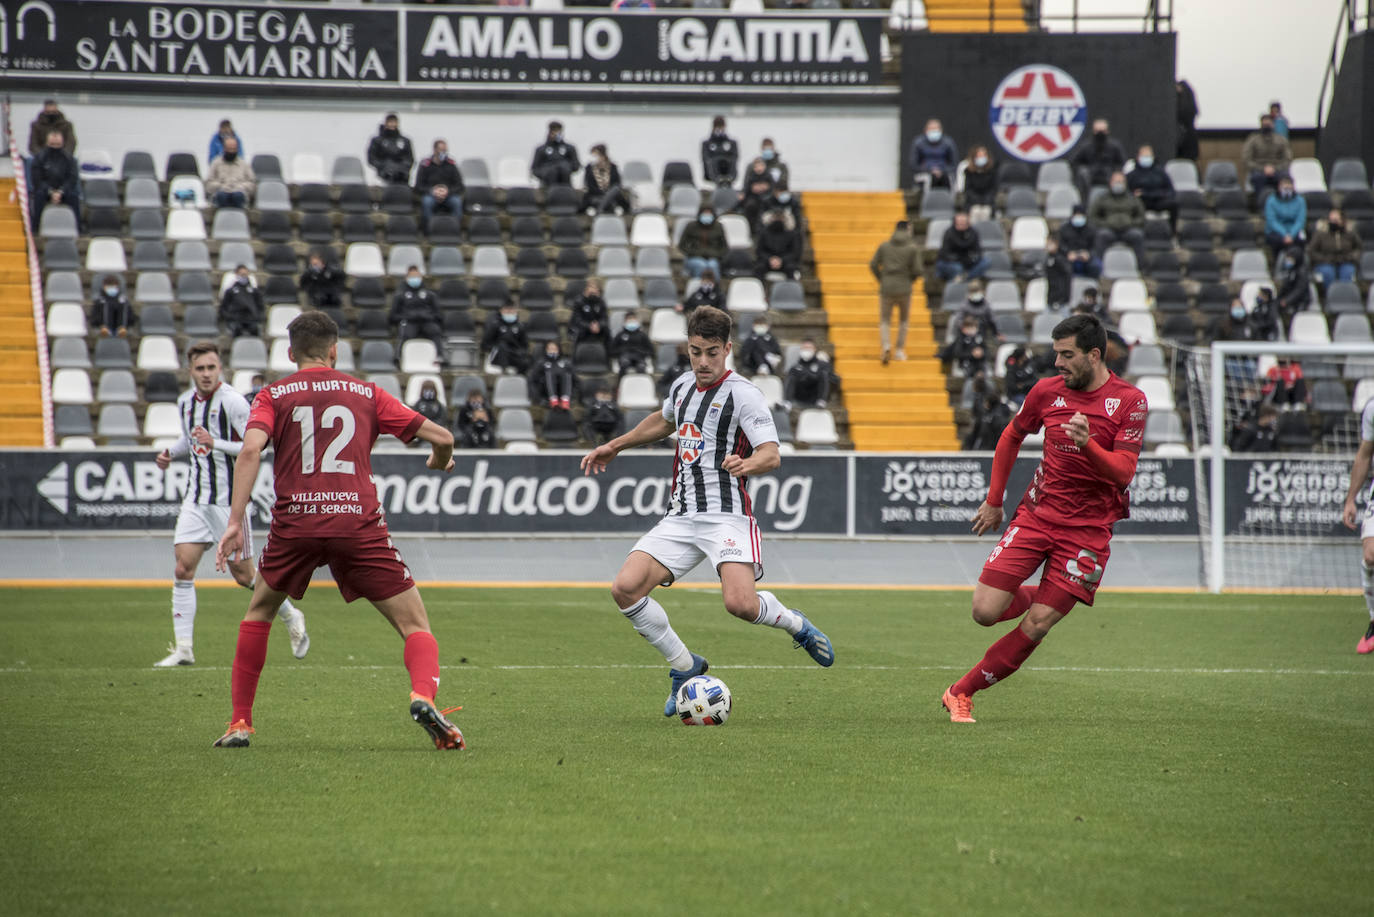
(1094, 423)
(323, 424)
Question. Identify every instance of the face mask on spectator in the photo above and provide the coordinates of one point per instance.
(551, 354)
(767, 153)
(1336, 226)
(1145, 161)
(1118, 187)
(934, 136)
(706, 219)
(806, 354)
(980, 161)
(316, 268)
(1285, 193)
(1100, 137)
(707, 285)
(508, 317)
(1266, 128)
(785, 197)
(1238, 312)
(1079, 220)
(632, 325)
(112, 291)
(557, 136)
(241, 280)
(414, 282)
(230, 157)
(440, 156)
(428, 394)
(976, 298)
(761, 329)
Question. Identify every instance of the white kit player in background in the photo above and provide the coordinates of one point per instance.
(213, 417)
(725, 434)
(1359, 473)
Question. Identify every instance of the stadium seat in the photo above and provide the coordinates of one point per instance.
(683, 201)
(138, 164)
(100, 192)
(419, 355)
(1348, 175)
(402, 258)
(71, 386)
(377, 356)
(189, 225)
(1159, 394)
(1129, 296)
(510, 392)
(191, 256)
(279, 317)
(1042, 325)
(1021, 202)
(118, 386)
(935, 233)
(745, 295)
(653, 263)
(667, 327)
(490, 261)
(1138, 328)
(530, 262)
(1060, 201)
(1182, 173)
(1037, 295)
(279, 259)
(637, 390)
(1165, 268)
(69, 353)
(230, 225)
(536, 294)
(787, 296)
(492, 292)
(106, 256)
(308, 168)
(1057, 173)
(102, 221)
(1029, 233)
(1350, 329)
(620, 293)
(185, 191)
(118, 421)
(150, 254)
(614, 262)
(1221, 175)
(937, 203)
(1309, 328)
(61, 254)
(562, 201)
(515, 425)
(1003, 296)
(1163, 426)
(816, 427)
(72, 420)
(1119, 262)
(193, 287)
(475, 172)
(364, 259)
(156, 319)
(272, 195)
(1307, 175)
(233, 254)
(1249, 264)
(111, 353)
(521, 202)
(1203, 267)
(514, 172)
(649, 229)
(608, 229)
(66, 319)
(57, 223)
(162, 420)
(401, 228)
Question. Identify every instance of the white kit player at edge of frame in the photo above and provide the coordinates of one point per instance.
(725, 433)
(1359, 474)
(213, 417)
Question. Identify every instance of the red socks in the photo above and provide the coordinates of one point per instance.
(1002, 659)
(1023, 599)
(422, 662)
(249, 656)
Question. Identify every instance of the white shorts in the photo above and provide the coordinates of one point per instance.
(1367, 529)
(200, 523)
(682, 542)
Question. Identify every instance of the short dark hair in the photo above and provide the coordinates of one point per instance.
(710, 323)
(311, 334)
(600, 148)
(200, 349)
(903, 226)
(718, 121)
(555, 125)
(1087, 333)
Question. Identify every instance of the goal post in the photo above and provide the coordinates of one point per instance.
(1270, 520)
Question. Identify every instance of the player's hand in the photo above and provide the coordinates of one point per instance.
(230, 547)
(1348, 514)
(733, 465)
(987, 519)
(595, 462)
(1077, 428)
(202, 436)
(164, 459)
(432, 463)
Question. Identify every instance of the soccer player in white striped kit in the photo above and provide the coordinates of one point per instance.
(213, 417)
(725, 434)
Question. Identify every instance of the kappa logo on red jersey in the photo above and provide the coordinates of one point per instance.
(1060, 402)
(690, 443)
(1111, 404)
(1038, 112)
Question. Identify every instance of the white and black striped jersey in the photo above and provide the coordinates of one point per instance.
(730, 417)
(224, 414)
(1367, 435)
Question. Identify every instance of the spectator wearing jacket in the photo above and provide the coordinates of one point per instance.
(601, 179)
(1280, 120)
(760, 351)
(1021, 375)
(429, 406)
(1335, 250)
(778, 249)
(1260, 433)
(440, 185)
(1077, 241)
(1285, 217)
(390, 153)
(631, 350)
(1293, 274)
(933, 157)
(322, 283)
(56, 179)
(474, 424)
(755, 192)
(719, 155)
(1266, 155)
(1095, 160)
(555, 160)
(1119, 217)
(961, 251)
(707, 293)
(49, 119)
(808, 381)
(1149, 182)
(967, 351)
(552, 378)
(111, 311)
(768, 152)
(976, 307)
(415, 313)
(589, 320)
(702, 244)
(240, 308)
(230, 181)
(980, 183)
(226, 130)
(505, 341)
(782, 198)
(1185, 115)
(603, 416)
(895, 265)
(1058, 276)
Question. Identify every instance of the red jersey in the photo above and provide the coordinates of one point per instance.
(1066, 488)
(323, 423)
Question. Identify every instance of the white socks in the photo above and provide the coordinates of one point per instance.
(1367, 579)
(775, 614)
(651, 622)
(285, 611)
(183, 610)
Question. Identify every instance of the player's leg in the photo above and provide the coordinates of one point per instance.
(759, 606)
(1366, 644)
(250, 654)
(187, 556)
(406, 612)
(992, 605)
(244, 573)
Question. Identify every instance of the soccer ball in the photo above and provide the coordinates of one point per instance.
(703, 701)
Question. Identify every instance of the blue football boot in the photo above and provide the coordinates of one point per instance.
(816, 643)
(679, 678)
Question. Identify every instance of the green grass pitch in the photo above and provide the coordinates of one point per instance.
(1160, 754)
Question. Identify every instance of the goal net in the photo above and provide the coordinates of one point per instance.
(1285, 420)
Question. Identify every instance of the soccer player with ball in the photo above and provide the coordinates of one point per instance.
(1094, 424)
(725, 434)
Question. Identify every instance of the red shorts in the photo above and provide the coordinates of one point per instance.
(366, 567)
(1073, 556)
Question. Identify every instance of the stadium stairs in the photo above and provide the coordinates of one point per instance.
(21, 403)
(902, 406)
(972, 15)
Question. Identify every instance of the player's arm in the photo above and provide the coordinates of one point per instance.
(649, 430)
(179, 449)
(1359, 473)
(238, 422)
(440, 445)
(764, 459)
(988, 518)
(231, 545)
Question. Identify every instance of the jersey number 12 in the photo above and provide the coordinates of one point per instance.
(334, 415)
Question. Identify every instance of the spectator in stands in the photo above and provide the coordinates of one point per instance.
(1293, 274)
(474, 427)
(111, 311)
(980, 183)
(702, 244)
(226, 130)
(589, 320)
(1118, 351)
(1259, 433)
(961, 251)
(768, 152)
(760, 352)
(1058, 276)
(49, 119)
(755, 193)
(778, 249)
(428, 406)
(440, 185)
(782, 198)
(230, 180)
(1077, 240)
(933, 157)
(1280, 122)
(415, 313)
(967, 352)
(1186, 112)
(1335, 250)
(1263, 320)
(682, 363)
(240, 308)
(1234, 325)
(719, 155)
(1284, 386)
(808, 381)
(976, 307)
(322, 283)
(255, 385)
(631, 350)
(991, 414)
(555, 160)
(1266, 155)
(1149, 182)
(552, 378)
(1096, 160)
(1285, 217)
(1021, 375)
(504, 339)
(56, 179)
(603, 416)
(390, 152)
(896, 265)
(707, 293)
(1119, 217)
(1093, 305)
(601, 179)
